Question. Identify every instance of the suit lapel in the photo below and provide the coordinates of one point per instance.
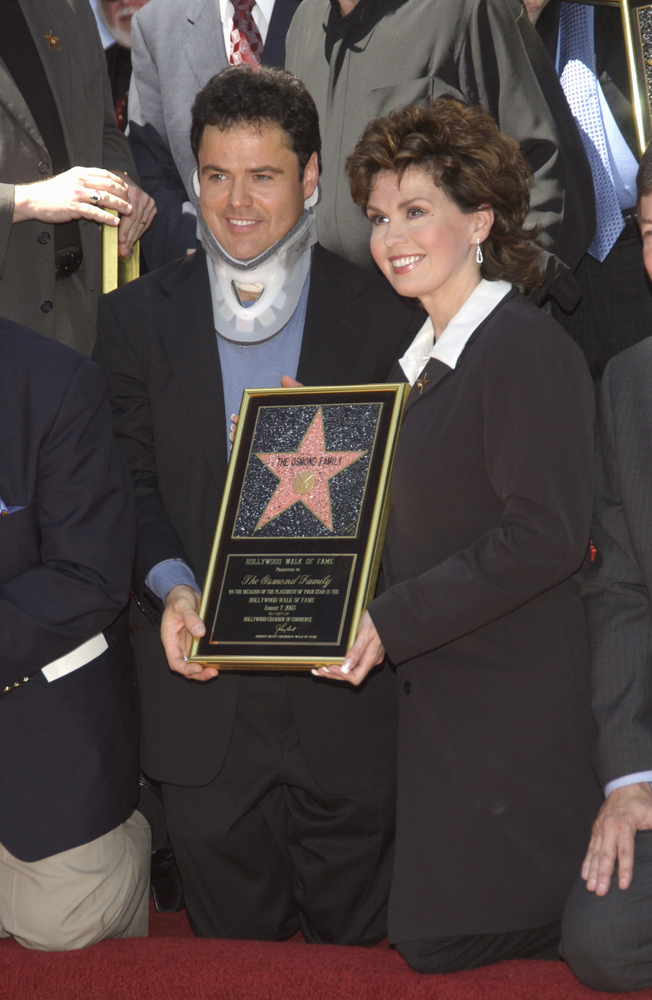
(274, 47)
(430, 377)
(42, 20)
(11, 97)
(185, 322)
(397, 374)
(12, 101)
(204, 40)
(329, 330)
(548, 29)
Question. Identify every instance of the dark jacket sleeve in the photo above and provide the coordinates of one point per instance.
(83, 515)
(174, 229)
(617, 584)
(124, 361)
(538, 443)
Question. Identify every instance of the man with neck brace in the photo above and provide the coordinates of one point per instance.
(278, 787)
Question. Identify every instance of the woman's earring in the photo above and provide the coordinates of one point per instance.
(479, 256)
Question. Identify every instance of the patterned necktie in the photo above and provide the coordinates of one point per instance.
(246, 42)
(580, 85)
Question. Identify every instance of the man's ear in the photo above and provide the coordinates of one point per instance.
(310, 177)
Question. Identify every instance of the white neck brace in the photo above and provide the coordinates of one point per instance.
(281, 270)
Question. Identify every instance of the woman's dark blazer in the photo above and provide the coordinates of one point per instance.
(491, 511)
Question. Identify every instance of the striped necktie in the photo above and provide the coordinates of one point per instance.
(246, 40)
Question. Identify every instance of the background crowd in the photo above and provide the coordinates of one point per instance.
(329, 192)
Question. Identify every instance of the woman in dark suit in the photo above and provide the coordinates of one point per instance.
(489, 525)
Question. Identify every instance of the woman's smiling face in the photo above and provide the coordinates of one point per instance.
(424, 245)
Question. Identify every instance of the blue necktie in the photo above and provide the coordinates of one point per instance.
(580, 85)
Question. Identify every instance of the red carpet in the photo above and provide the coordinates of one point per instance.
(172, 965)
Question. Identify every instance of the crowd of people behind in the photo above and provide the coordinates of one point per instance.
(329, 192)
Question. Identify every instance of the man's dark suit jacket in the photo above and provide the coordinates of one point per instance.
(618, 585)
(68, 748)
(157, 346)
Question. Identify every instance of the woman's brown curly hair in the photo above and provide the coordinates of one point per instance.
(468, 156)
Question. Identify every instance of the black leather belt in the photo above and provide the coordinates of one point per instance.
(67, 261)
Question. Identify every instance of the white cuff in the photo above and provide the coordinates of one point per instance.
(627, 779)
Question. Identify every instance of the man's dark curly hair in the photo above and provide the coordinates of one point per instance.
(239, 96)
(467, 155)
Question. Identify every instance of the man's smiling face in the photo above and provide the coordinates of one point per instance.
(250, 190)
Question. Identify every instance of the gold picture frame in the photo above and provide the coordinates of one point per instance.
(297, 546)
(637, 27)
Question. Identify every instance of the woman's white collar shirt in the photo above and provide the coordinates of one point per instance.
(481, 302)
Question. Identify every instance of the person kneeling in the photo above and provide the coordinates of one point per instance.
(74, 851)
(604, 933)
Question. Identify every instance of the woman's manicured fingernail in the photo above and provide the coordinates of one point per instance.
(347, 667)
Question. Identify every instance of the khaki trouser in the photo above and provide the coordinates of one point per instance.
(99, 890)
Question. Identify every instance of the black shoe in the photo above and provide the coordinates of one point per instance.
(165, 881)
(150, 804)
(166, 888)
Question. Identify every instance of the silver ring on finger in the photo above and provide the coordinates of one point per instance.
(94, 197)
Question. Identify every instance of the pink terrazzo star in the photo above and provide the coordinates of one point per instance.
(303, 474)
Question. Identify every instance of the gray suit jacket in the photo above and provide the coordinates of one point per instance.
(177, 46)
(76, 72)
(388, 53)
(618, 585)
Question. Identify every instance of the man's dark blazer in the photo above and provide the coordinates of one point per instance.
(157, 346)
(68, 748)
(618, 585)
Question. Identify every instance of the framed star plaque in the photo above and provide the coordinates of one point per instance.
(299, 536)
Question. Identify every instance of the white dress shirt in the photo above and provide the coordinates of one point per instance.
(261, 13)
(447, 348)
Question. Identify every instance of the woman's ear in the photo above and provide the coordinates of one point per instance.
(484, 220)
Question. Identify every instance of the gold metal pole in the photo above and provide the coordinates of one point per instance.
(638, 64)
(115, 270)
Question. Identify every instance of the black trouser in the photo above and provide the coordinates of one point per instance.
(455, 954)
(607, 940)
(263, 851)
